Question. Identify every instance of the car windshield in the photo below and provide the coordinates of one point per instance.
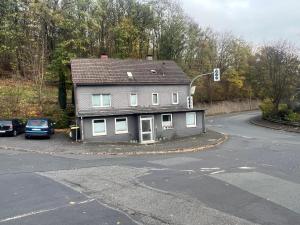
(39, 123)
(5, 123)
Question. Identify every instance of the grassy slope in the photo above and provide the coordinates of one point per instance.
(19, 98)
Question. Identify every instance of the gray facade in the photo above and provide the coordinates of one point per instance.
(120, 95)
(111, 136)
(179, 128)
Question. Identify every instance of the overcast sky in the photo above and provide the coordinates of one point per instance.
(257, 21)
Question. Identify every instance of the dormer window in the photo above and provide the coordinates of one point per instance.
(153, 71)
(129, 74)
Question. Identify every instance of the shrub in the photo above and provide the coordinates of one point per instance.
(293, 117)
(59, 116)
(267, 108)
(283, 111)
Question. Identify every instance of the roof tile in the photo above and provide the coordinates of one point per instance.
(114, 71)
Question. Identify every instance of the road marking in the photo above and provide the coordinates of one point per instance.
(168, 169)
(44, 210)
(244, 136)
(277, 190)
(217, 172)
(246, 168)
(175, 161)
(209, 169)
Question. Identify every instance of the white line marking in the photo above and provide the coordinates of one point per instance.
(209, 169)
(246, 168)
(189, 171)
(44, 210)
(217, 172)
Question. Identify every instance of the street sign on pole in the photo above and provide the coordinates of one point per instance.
(190, 103)
(193, 89)
(217, 74)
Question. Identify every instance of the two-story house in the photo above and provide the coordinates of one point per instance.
(133, 101)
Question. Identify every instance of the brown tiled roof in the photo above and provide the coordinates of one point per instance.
(114, 71)
(135, 111)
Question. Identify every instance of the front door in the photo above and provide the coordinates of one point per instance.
(146, 130)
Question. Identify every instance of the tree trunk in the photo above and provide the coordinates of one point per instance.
(62, 92)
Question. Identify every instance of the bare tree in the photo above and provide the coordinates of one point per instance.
(279, 65)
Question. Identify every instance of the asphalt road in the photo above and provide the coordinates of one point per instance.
(253, 178)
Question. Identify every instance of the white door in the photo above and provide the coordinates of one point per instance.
(146, 130)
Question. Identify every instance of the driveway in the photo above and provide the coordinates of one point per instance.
(253, 178)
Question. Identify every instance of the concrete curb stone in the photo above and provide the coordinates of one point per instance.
(258, 121)
(220, 138)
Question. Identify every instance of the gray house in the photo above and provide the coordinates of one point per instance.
(133, 101)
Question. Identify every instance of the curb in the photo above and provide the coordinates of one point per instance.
(252, 121)
(179, 150)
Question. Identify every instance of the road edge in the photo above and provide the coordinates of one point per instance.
(274, 127)
(218, 142)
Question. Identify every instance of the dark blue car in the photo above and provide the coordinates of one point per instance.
(39, 128)
(11, 127)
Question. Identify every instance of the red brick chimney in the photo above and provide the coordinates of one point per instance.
(104, 56)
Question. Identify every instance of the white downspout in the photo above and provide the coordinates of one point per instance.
(82, 133)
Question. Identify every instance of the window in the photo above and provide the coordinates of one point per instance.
(133, 100)
(103, 100)
(155, 100)
(175, 99)
(99, 127)
(96, 100)
(191, 119)
(121, 125)
(106, 101)
(166, 121)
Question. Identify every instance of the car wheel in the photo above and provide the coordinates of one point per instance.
(26, 137)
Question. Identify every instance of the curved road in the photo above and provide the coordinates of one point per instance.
(253, 178)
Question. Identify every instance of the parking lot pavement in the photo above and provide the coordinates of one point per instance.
(56, 142)
(61, 144)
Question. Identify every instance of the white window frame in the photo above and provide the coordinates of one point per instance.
(173, 102)
(99, 134)
(191, 125)
(136, 99)
(93, 105)
(162, 122)
(101, 101)
(157, 99)
(121, 132)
